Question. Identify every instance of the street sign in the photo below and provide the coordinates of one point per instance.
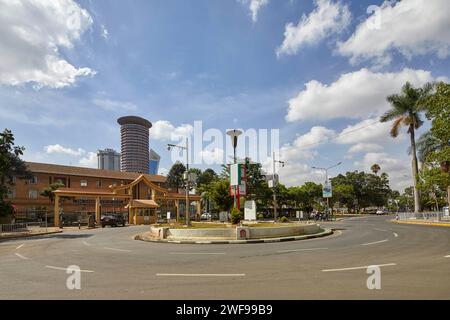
(235, 174)
(327, 191)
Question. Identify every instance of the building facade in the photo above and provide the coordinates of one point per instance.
(134, 135)
(108, 159)
(154, 162)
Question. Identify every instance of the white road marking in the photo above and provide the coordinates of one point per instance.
(395, 235)
(20, 246)
(21, 256)
(358, 268)
(370, 243)
(115, 249)
(200, 274)
(380, 230)
(447, 256)
(65, 269)
(86, 244)
(297, 250)
(187, 253)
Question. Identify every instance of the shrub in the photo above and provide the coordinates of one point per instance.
(236, 216)
(260, 216)
(284, 219)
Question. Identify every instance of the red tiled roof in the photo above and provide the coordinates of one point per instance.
(89, 172)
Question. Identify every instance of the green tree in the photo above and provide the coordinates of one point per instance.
(48, 191)
(10, 166)
(207, 177)
(406, 111)
(175, 179)
(220, 194)
(438, 111)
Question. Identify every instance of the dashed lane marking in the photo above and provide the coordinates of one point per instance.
(65, 269)
(21, 256)
(358, 268)
(376, 242)
(198, 253)
(200, 274)
(395, 235)
(299, 250)
(115, 249)
(20, 246)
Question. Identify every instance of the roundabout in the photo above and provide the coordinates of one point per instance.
(246, 232)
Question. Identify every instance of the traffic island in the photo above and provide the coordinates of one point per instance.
(228, 234)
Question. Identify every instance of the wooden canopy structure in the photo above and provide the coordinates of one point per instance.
(143, 197)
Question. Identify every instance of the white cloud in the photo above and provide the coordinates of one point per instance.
(112, 105)
(254, 6)
(399, 170)
(105, 32)
(57, 148)
(214, 156)
(32, 32)
(365, 131)
(364, 147)
(413, 27)
(295, 171)
(163, 171)
(327, 18)
(315, 136)
(90, 160)
(164, 130)
(356, 94)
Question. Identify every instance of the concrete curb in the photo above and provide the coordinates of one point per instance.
(422, 223)
(19, 236)
(325, 232)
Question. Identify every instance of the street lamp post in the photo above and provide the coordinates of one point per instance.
(326, 179)
(186, 148)
(275, 214)
(234, 134)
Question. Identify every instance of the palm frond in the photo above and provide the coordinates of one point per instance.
(396, 126)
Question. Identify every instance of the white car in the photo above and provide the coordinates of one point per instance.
(381, 212)
(205, 216)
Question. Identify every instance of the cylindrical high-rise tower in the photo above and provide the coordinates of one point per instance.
(134, 132)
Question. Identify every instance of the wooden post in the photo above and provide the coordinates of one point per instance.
(56, 212)
(97, 211)
(199, 209)
(177, 206)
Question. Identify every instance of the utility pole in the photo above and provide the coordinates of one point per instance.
(326, 180)
(275, 214)
(234, 134)
(186, 148)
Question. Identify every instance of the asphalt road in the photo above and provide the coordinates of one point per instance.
(414, 263)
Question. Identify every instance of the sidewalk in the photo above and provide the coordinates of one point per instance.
(424, 222)
(30, 233)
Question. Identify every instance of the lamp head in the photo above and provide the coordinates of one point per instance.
(234, 134)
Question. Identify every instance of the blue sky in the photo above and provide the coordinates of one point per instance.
(312, 69)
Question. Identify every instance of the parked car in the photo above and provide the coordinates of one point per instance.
(381, 212)
(206, 216)
(113, 221)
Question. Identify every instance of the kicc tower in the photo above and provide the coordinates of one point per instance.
(134, 134)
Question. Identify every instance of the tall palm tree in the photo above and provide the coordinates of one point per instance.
(406, 111)
(375, 168)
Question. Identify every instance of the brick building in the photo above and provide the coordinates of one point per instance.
(85, 189)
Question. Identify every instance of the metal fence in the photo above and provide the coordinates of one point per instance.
(427, 216)
(15, 227)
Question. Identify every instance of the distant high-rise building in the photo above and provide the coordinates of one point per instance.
(108, 159)
(154, 162)
(134, 134)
